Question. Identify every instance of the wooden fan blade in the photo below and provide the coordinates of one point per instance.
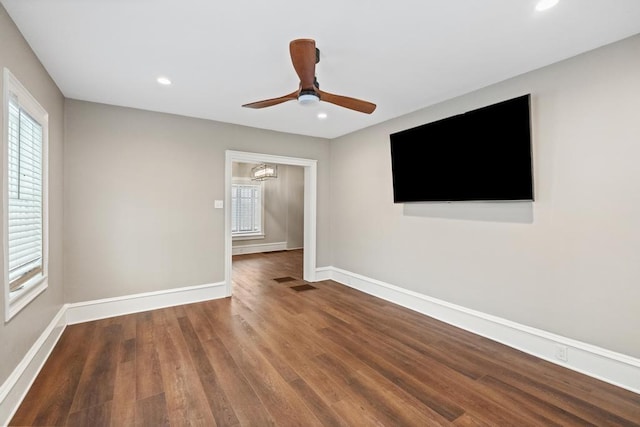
(303, 56)
(346, 102)
(273, 101)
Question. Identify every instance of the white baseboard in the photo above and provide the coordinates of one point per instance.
(18, 383)
(615, 368)
(324, 273)
(100, 309)
(258, 248)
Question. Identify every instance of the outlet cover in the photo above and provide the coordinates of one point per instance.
(562, 352)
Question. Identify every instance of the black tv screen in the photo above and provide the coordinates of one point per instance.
(481, 155)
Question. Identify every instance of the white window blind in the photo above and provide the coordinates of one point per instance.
(25, 216)
(246, 209)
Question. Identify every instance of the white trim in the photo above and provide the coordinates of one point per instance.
(22, 297)
(17, 385)
(310, 213)
(16, 301)
(310, 196)
(109, 307)
(615, 368)
(240, 237)
(259, 248)
(324, 273)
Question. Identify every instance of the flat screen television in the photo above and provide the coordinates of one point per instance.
(481, 155)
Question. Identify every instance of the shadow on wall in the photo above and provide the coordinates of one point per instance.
(515, 212)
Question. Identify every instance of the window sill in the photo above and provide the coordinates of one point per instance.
(22, 297)
(254, 236)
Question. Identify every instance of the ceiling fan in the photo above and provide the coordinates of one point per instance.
(305, 56)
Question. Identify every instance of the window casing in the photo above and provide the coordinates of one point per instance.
(247, 211)
(25, 196)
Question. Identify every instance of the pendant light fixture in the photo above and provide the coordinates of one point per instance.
(263, 172)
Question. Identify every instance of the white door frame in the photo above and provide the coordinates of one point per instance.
(310, 194)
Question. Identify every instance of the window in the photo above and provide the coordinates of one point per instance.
(25, 196)
(246, 210)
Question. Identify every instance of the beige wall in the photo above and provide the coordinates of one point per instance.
(19, 334)
(139, 196)
(295, 207)
(574, 268)
(284, 206)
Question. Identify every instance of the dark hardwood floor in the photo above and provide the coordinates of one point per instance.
(332, 356)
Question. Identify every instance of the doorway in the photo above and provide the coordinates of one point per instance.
(310, 193)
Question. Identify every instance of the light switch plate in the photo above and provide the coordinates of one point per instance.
(218, 204)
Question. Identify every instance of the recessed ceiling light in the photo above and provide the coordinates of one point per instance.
(545, 4)
(322, 116)
(163, 81)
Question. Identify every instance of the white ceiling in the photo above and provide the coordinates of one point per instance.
(402, 55)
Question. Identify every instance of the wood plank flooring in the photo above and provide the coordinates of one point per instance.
(330, 356)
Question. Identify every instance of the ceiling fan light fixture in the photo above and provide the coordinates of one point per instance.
(308, 99)
(305, 56)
